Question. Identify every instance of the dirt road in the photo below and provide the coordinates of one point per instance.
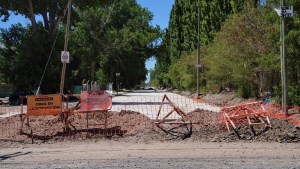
(110, 154)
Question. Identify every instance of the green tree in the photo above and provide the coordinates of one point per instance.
(118, 34)
(51, 11)
(29, 57)
(24, 57)
(237, 58)
(181, 35)
(103, 33)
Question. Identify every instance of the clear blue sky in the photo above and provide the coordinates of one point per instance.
(160, 9)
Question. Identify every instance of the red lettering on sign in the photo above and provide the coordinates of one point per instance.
(95, 100)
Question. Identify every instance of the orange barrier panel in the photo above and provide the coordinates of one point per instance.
(44, 105)
(95, 101)
(245, 114)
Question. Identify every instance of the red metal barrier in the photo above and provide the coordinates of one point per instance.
(250, 114)
(42, 105)
(173, 110)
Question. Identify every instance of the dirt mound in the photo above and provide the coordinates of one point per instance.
(203, 118)
(224, 99)
(49, 128)
(131, 126)
(209, 126)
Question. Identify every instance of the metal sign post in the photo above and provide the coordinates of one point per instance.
(284, 12)
(287, 12)
(63, 72)
(117, 81)
(283, 61)
(198, 53)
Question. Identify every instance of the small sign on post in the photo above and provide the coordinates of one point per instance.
(285, 11)
(65, 57)
(288, 11)
(198, 66)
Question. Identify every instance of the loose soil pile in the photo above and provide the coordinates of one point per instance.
(224, 99)
(135, 127)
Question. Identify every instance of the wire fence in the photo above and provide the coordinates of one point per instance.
(130, 115)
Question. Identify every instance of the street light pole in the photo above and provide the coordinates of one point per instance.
(284, 86)
(198, 52)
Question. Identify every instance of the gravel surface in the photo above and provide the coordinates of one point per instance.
(152, 155)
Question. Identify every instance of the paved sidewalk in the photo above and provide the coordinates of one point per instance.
(146, 102)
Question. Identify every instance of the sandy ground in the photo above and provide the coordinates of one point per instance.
(135, 141)
(180, 154)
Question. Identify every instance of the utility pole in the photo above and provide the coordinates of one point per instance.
(198, 53)
(63, 72)
(284, 86)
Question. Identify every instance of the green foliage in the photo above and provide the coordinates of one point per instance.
(294, 94)
(114, 39)
(184, 20)
(106, 37)
(24, 56)
(183, 73)
(181, 35)
(239, 57)
(242, 52)
(26, 50)
(51, 11)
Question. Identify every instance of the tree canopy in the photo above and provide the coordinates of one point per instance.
(106, 37)
(115, 39)
(239, 48)
(52, 12)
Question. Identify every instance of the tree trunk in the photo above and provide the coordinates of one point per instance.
(32, 17)
(93, 71)
(46, 21)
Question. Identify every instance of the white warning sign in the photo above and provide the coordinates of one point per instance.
(65, 57)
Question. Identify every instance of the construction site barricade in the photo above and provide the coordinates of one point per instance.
(44, 105)
(95, 101)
